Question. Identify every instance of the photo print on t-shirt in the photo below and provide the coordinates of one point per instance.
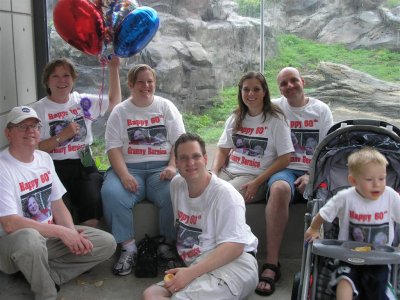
(380, 234)
(158, 135)
(56, 127)
(241, 143)
(36, 206)
(187, 241)
(154, 135)
(81, 136)
(251, 146)
(377, 234)
(304, 141)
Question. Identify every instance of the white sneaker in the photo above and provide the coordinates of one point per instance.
(125, 263)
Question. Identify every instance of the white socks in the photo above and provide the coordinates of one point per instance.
(130, 246)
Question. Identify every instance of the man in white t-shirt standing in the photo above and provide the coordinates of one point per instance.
(310, 120)
(51, 250)
(213, 238)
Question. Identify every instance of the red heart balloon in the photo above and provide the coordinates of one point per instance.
(80, 24)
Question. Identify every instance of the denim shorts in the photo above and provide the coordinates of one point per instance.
(288, 175)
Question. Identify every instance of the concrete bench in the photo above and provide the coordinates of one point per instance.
(146, 222)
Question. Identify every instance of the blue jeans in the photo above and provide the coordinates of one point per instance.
(290, 176)
(119, 202)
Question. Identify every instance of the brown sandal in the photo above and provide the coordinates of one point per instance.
(269, 280)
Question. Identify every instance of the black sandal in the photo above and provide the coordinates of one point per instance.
(269, 280)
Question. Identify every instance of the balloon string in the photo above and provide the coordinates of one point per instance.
(101, 92)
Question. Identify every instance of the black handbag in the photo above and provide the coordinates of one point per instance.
(147, 258)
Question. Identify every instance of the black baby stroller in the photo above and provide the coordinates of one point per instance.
(328, 175)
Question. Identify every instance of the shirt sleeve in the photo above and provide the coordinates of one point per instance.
(57, 188)
(8, 200)
(225, 141)
(174, 123)
(331, 209)
(395, 205)
(38, 106)
(230, 218)
(282, 138)
(114, 130)
(174, 193)
(326, 120)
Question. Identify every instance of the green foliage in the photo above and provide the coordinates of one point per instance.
(210, 125)
(393, 3)
(98, 154)
(249, 8)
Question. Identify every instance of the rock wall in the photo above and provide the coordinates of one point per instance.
(200, 47)
(203, 45)
(354, 23)
(340, 85)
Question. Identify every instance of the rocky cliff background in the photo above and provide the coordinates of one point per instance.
(204, 45)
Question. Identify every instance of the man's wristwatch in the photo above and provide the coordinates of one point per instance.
(58, 140)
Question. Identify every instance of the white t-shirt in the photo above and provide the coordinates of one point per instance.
(144, 133)
(362, 219)
(80, 108)
(309, 125)
(27, 189)
(257, 143)
(217, 216)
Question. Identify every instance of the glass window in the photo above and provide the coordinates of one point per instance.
(346, 50)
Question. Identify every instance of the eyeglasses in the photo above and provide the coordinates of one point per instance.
(25, 127)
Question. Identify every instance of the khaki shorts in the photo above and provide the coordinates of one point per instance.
(238, 180)
(236, 280)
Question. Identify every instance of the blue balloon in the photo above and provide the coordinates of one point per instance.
(136, 30)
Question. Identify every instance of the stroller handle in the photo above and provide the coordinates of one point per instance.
(364, 122)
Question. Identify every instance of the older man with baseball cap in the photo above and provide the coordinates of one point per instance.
(54, 250)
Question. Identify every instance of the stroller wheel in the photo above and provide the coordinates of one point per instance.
(295, 286)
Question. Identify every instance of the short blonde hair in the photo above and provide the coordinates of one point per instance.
(133, 72)
(366, 155)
